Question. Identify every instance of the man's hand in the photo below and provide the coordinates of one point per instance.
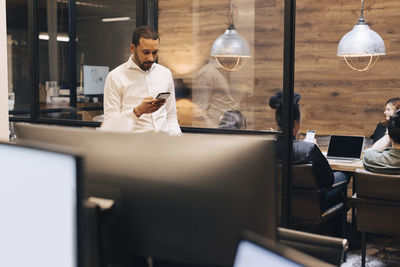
(148, 105)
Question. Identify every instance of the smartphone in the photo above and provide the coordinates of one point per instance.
(310, 136)
(163, 95)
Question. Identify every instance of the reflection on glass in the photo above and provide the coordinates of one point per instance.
(53, 58)
(211, 94)
(216, 98)
(102, 42)
(104, 35)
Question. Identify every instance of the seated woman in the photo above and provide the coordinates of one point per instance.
(307, 152)
(391, 106)
(383, 159)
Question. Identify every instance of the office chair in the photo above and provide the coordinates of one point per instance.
(326, 248)
(308, 204)
(377, 204)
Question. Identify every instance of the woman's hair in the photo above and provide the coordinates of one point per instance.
(232, 119)
(276, 102)
(394, 127)
(395, 101)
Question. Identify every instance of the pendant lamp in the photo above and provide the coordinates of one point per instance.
(361, 45)
(230, 49)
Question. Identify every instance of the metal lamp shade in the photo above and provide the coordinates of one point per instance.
(230, 50)
(230, 44)
(361, 42)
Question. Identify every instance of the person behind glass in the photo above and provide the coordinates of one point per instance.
(385, 160)
(212, 93)
(232, 119)
(307, 152)
(131, 88)
(391, 106)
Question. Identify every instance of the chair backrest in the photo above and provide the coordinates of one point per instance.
(306, 193)
(377, 186)
(326, 248)
(303, 177)
(377, 202)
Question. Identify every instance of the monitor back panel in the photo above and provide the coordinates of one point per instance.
(178, 198)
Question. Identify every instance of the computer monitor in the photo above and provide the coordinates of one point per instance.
(183, 199)
(254, 250)
(94, 79)
(40, 207)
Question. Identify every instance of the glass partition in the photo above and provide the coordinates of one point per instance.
(335, 98)
(104, 32)
(53, 53)
(102, 41)
(207, 94)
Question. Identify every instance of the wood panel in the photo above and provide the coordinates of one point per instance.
(335, 99)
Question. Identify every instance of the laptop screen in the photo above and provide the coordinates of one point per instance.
(345, 146)
(252, 255)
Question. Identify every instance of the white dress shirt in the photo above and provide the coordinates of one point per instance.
(125, 88)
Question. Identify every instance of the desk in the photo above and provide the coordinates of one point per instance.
(341, 165)
(87, 110)
(345, 166)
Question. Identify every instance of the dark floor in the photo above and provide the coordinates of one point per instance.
(381, 250)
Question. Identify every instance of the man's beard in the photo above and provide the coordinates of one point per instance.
(146, 65)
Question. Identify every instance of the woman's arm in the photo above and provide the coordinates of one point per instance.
(382, 143)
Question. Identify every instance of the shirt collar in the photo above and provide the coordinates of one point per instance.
(133, 65)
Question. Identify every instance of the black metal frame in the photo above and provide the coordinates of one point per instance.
(141, 13)
(34, 63)
(288, 91)
(143, 10)
(72, 52)
(225, 131)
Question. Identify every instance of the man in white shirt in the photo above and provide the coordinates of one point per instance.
(131, 88)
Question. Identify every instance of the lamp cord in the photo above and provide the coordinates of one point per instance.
(362, 9)
(231, 25)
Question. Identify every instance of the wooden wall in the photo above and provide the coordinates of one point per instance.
(335, 99)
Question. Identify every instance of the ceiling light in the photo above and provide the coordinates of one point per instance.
(230, 49)
(361, 46)
(60, 37)
(115, 19)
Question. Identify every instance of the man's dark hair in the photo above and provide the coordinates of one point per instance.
(145, 32)
(394, 127)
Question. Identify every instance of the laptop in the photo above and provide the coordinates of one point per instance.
(345, 147)
(256, 251)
